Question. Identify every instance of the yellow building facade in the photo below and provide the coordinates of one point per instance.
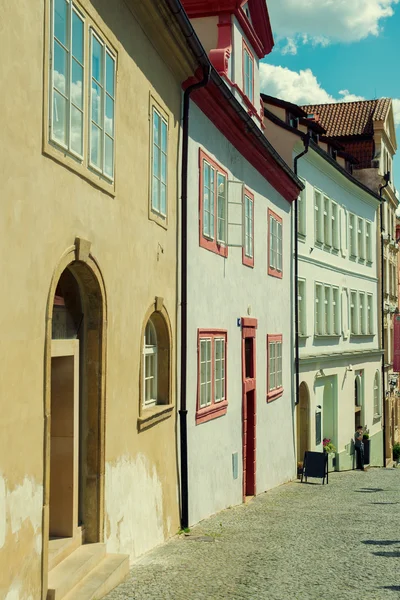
(90, 123)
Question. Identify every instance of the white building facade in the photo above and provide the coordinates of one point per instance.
(340, 356)
(240, 401)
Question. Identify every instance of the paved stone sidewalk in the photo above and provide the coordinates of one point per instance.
(311, 542)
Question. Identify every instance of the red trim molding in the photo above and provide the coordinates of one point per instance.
(258, 32)
(205, 242)
(248, 260)
(220, 56)
(274, 271)
(222, 115)
(277, 392)
(215, 409)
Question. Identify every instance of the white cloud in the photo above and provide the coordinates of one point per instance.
(304, 88)
(322, 21)
(299, 88)
(290, 48)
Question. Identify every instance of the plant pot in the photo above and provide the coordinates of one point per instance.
(331, 461)
(367, 445)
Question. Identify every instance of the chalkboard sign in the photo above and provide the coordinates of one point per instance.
(315, 464)
(318, 428)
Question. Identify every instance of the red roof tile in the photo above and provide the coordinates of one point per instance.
(350, 118)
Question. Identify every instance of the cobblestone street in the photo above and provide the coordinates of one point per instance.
(331, 542)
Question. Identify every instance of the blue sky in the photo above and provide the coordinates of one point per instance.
(333, 51)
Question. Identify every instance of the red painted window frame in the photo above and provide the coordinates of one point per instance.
(271, 270)
(246, 47)
(247, 260)
(204, 242)
(216, 409)
(277, 392)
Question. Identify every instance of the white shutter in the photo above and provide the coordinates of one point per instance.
(236, 234)
(343, 231)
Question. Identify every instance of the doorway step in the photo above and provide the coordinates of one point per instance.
(88, 573)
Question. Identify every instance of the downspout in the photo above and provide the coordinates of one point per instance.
(306, 141)
(382, 187)
(183, 378)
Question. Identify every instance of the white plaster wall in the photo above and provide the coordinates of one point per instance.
(219, 292)
(317, 264)
(345, 382)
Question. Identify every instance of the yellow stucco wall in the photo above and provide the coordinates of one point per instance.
(44, 207)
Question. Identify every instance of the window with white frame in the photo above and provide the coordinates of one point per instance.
(274, 370)
(150, 352)
(213, 204)
(82, 96)
(326, 221)
(361, 313)
(102, 99)
(361, 238)
(212, 397)
(353, 312)
(275, 244)
(248, 257)
(370, 315)
(159, 163)
(302, 307)
(67, 77)
(377, 395)
(368, 241)
(248, 72)
(327, 310)
(301, 211)
(352, 235)
(156, 362)
(335, 225)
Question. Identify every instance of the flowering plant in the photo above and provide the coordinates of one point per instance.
(328, 446)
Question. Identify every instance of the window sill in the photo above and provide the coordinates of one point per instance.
(275, 394)
(274, 273)
(155, 414)
(213, 246)
(211, 412)
(248, 261)
(301, 237)
(64, 158)
(158, 218)
(362, 335)
(328, 336)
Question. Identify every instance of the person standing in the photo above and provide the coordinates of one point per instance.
(359, 447)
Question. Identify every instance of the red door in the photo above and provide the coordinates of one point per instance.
(249, 327)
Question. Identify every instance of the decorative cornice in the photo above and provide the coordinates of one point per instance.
(225, 118)
(258, 32)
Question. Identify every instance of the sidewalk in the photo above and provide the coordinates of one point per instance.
(298, 541)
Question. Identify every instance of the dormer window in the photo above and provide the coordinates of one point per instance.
(292, 120)
(248, 72)
(246, 10)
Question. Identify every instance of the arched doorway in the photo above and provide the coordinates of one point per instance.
(302, 421)
(74, 404)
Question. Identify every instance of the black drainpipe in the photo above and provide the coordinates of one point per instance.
(306, 141)
(382, 187)
(183, 404)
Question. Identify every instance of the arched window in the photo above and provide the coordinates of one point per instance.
(150, 351)
(156, 363)
(377, 402)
